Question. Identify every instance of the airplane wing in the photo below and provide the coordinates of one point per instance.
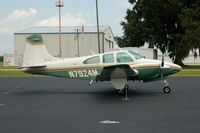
(117, 71)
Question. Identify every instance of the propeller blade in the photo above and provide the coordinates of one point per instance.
(161, 66)
(162, 63)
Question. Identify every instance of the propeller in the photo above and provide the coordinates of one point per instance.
(162, 63)
(161, 67)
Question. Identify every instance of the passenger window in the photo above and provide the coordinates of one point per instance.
(108, 58)
(93, 60)
(123, 57)
(136, 55)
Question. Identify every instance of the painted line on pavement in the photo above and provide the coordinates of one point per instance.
(109, 122)
(17, 87)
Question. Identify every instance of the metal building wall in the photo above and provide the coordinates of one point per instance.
(19, 43)
(87, 42)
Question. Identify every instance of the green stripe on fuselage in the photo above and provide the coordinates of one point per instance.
(148, 73)
(154, 73)
(74, 73)
(145, 73)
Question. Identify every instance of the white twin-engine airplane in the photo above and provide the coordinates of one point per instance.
(117, 66)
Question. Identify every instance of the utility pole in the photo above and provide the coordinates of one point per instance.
(59, 4)
(78, 44)
(97, 14)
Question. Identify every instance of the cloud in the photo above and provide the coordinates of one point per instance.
(19, 15)
(67, 20)
(21, 19)
(16, 20)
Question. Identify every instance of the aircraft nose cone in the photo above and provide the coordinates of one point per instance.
(178, 68)
(173, 68)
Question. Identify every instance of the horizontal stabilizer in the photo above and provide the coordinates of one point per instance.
(42, 66)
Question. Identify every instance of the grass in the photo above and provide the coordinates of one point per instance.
(191, 67)
(188, 72)
(6, 67)
(8, 71)
(15, 73)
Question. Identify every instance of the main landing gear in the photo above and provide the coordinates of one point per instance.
(124, 91)
(166, 89)
(120, 91)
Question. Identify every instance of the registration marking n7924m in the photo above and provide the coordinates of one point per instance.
(83, 73)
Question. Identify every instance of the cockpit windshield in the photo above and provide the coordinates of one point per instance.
(136, 55)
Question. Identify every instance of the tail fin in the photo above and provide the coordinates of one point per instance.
(35, 51)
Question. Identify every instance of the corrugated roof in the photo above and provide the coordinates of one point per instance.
(65, 29)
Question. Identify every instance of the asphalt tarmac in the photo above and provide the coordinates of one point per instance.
(56, 105)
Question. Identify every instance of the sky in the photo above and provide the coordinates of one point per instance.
(21, 14)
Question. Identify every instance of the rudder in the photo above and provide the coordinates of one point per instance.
(35, 51)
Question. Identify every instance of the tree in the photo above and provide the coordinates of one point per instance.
(165, 24)
(189, 39)
(1, 58)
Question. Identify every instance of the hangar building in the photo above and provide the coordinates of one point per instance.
(76, 41)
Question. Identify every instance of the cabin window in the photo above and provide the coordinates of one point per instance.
(108, 58)
(93, 60)
(123, 57)
(136, 55)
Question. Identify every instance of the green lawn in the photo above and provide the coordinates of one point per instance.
(15, 73)
(192, 67)
(188, 72)
(6, 67)
(10, 71)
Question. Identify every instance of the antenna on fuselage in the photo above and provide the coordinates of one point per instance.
(119, 48)
(92, 52)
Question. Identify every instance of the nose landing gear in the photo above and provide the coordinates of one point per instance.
(166, 89)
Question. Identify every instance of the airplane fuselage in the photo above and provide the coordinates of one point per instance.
(148, 70)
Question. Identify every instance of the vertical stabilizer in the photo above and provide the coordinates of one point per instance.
(35, 51)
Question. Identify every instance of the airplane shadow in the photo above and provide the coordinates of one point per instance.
(98, 94)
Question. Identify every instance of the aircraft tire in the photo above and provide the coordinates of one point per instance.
(121, 92)
(166, 89)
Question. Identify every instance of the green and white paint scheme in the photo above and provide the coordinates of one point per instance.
(117, 66)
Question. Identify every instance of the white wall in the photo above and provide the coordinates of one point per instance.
(190, 60)
(108, 40)
(187, 61)
(19, 44)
